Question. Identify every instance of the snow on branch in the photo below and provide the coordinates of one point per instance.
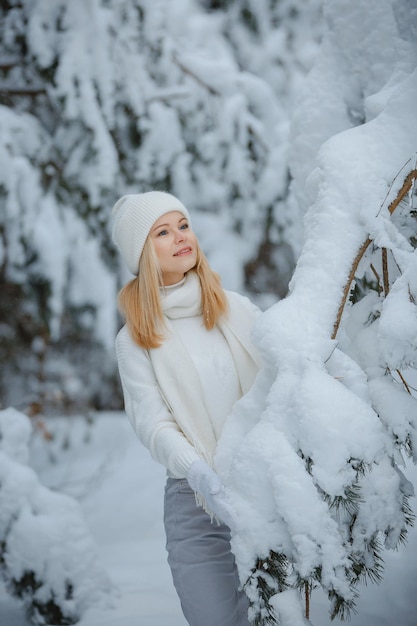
(409, 182)
(312, 456)
(316, 480)
(47, 557)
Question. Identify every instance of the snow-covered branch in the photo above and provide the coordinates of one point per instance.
(47, 556)
(312, 456)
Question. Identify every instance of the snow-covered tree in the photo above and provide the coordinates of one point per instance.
(47, 557)
(103, 97)
(99, 98)
(313, 456)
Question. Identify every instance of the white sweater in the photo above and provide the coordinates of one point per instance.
(215, 366)
(203, 373)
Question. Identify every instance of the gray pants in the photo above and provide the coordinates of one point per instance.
(202, 564)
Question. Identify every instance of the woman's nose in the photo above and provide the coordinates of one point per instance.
(179, 235)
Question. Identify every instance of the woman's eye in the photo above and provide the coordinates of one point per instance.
(183, 226)
(162, 232)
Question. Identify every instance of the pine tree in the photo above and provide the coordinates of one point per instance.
(103, 98)
(345, 510)
(364, 546)
(47, 558)
(313, 457)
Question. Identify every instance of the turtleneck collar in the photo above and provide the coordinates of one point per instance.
(166, 288)
(182, 299)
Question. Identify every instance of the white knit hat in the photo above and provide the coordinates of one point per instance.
(134, 215)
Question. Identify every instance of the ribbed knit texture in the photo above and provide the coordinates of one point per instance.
(133, 217)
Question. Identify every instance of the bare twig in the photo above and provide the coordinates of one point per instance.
(411, 176)
(404, 382)
(385, 271)
(406, 186)
(200, 81)
(348, 284)
(307, 598)
(377, 276)
(22, 91)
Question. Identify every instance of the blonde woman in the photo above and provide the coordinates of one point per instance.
(185, 357)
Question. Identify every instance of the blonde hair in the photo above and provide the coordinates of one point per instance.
(140, 302)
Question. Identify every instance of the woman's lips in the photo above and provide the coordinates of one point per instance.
(183, 251)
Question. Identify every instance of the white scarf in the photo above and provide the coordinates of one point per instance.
(174, 369)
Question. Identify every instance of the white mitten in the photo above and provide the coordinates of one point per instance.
(203, 479)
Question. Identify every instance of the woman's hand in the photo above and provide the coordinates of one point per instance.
(204, 480)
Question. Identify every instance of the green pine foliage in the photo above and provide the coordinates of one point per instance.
(154, 103)
(269, 577)
(47, 557)
(275, 573)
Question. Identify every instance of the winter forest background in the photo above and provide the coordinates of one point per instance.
(289, 129)
(103, 98)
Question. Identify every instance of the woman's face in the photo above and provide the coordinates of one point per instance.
(175, 246)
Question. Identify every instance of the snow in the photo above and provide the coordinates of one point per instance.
(313, 434)
(120, 490)
(324, 418)
(47, 553)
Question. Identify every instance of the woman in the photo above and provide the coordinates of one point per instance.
(185, 357)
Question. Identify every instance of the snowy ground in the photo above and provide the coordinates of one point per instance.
(120, 489)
